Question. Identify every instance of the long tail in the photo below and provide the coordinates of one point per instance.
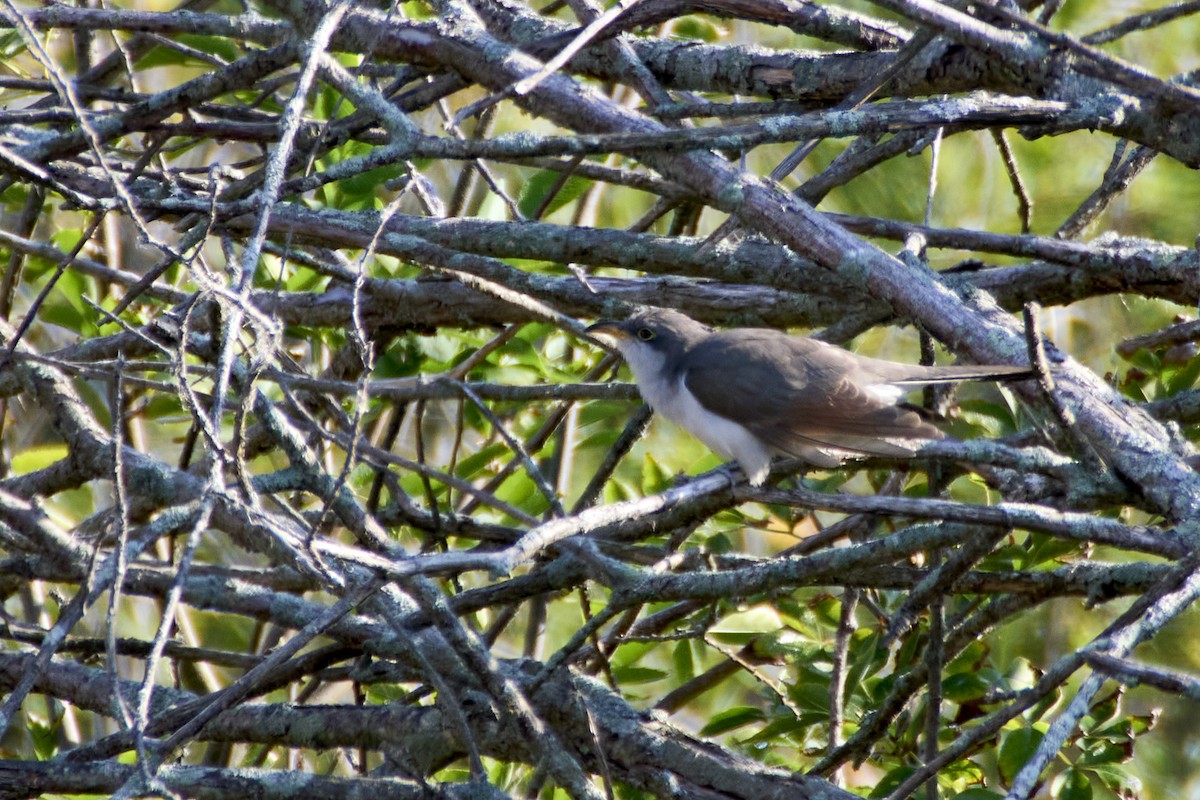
(963, 372)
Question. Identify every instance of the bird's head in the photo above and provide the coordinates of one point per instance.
(652, 341)
(660, 331)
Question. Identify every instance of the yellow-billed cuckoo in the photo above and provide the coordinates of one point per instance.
(753, 393)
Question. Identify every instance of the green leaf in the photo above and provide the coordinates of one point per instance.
(1045, 705)
(11, 45)
(684, 660)
(1072, 784)
(474, 464)
(1043, 549)
(168, 56)
(961, 774)
(1021, 674)
(909, 652)
(742, 626)
(301, 278)
(784, 643)
(654, 478)
(67, 239)
(733, 719)
(827, 609)
(891, 780)
(719, 543)
(972, 657)
(1103, 710)
(1184, 378)
(787, 725)
(383, 693)
(1016, 749)
(617, 490)
(359, 191)
(631, 653)
(1103, 753)
(636, 674)
(694, 27)
(65, 305)
(37, 457)
(539, 186)
(985, 419)
(1117, 779)
(520, 491)
(963, 687)
(867, 658)
(15, 196)
(812, 697)
(416, 10)
(45, 738)
(975, 793)
(1141, 723)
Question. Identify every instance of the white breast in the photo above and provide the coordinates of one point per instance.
(672, 399)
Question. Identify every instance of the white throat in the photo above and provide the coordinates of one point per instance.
(672, 399)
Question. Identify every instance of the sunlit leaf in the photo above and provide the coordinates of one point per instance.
(1016, 748)
(38, 457)
(742, 626)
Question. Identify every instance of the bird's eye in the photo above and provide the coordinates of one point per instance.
(645, 334)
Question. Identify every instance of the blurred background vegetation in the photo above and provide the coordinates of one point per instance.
(774, 706)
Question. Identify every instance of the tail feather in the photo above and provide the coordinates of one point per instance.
(922, 376)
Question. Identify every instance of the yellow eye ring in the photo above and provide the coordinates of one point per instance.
(645, 334)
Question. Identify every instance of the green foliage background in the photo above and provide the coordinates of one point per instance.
(774, 709)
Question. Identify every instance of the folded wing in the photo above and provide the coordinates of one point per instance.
(815, 400)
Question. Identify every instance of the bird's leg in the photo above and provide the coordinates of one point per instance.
(734, 472)
(730, 469)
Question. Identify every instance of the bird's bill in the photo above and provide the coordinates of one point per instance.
(607, 332)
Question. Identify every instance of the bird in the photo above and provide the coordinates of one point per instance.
(750, 394)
